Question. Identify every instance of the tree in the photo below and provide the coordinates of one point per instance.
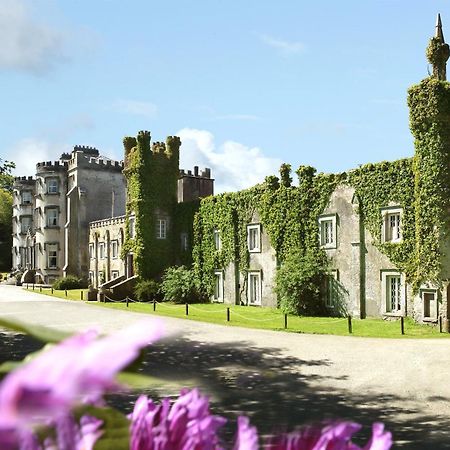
(6, 179)
(6, 187)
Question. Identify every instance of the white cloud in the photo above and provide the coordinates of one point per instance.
(136, 108)
(27, 152)
(27, 45)
(234, 166)
(285, 47)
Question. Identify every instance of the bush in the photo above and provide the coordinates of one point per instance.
(146, 290)
(69, 282)
(298, 283)
(179, 285)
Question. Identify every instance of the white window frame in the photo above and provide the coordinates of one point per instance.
(132, 226)
(114, 249)
(217, 240)
(55, 217)
(328, 231)
(389, 233)
(254, 246)
(52, 185)
(91, 251)
(254, 288)
(332, 278)
(114, 274)
(161, 228)
(218, 295)
(24, 229)
(393, 306)
(29, 200)
(101, 250)
(52, 254)
(433, 308)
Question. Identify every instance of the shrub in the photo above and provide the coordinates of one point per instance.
(298, 283)
(179, 285)
(68, 282)
(146, 290)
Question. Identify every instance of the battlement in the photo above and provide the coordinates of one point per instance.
(24, 180)
(86, 150)
(51, 165)
(106, 222)
(81, 159)
(206, 173)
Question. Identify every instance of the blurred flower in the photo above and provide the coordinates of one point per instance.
(247, 436)
(333, 436)
(80, 368)
(186, 425)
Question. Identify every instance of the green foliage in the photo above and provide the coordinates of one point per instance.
(68, 282)
(146, 290)
(298, 283)
(6, 179)
(285, 175)
(179, 285)
(6, 202)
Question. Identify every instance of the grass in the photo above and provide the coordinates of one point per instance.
(269, 318)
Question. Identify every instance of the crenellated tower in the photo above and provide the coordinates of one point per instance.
(429, 104)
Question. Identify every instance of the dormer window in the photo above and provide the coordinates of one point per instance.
(392, 225)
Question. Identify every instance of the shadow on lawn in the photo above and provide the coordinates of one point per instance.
(271, 389)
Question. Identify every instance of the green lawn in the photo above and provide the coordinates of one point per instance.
(72, 294)
(270, 319)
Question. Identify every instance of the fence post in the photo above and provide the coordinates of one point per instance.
(81, 295)
(440, 324)
(33, 286)
(285, 321)
(154, 304)
(187, 309)
(65, 291)
(52, 291)
(228, 314)
(350, 330)
(127, 301)
(402, 324)
(40, 288)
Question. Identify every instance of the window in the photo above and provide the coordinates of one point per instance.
(26, 197)
(254, 238)
(91, 251)
(327, 231)
(393, 293)
(91, 277)
(52, 217)
(161, 228)
(114, 249)
(429, 298)
(52, 186)
(392, 225)
(52, 256)
(37, 217)
(217, 240)
(184, 242)
(218, 286)
(25, 224)
(332, 296)
(101, 250)
(114, 274)
(131, 226)
(254, 288)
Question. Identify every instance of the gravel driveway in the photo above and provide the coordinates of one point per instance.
(282, 379)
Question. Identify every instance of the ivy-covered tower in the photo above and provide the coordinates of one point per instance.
(429, 104)
(152, 173)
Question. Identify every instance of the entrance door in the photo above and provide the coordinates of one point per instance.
(130, 266)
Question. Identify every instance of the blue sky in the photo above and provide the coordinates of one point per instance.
(246, 84)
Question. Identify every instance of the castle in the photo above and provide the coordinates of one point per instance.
(383, 229)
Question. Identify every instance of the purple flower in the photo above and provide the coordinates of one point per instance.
(186, 425)
(80, 368)
(332, 436)
(247, 436)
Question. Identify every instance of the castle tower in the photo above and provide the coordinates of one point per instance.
(429, 104)
(152, 176)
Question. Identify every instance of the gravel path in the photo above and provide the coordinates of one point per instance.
(283, 378)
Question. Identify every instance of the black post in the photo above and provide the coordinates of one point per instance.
(402, 324)
(52, 291)
(33, 286)
(154, 305)
(127, 302)
(285, 321)
(440, 324)
(65, 291)
(228, 314)
(350, 330)
(187, 309)
(81, 295)
(40, 288)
